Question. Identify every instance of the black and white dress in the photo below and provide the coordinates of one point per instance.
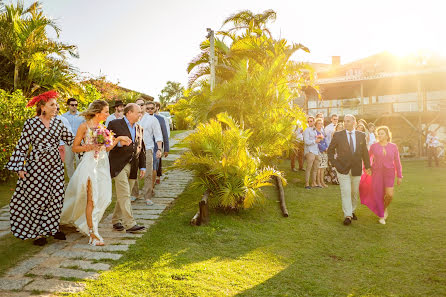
(37, 201)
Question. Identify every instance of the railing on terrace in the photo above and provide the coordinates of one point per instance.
(378, 109)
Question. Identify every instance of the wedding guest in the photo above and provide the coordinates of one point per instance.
(62, 144)
(332, 176)
(377, 191)
(165, 149)
(118, 114)
(311, 153)
(298, 148)
(330, 128)
(72, 115)
(322, 146)
(432, 144)
(347, 152)
(152, 134)
(36, 204)
(89, 191)
(372, 136)
(124, 163)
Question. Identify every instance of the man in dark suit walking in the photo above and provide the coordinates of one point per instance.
(350, 148)
(125, 159)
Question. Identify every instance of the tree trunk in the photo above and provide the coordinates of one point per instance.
(202, 216)
(16, 74)
(281, 197)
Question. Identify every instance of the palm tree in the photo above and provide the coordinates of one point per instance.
(252, 24)
(23, 38)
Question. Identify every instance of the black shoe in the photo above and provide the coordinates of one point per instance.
(136, 228)
(60, 235)
(354, 217)
(118, 227)
(40, 241)
(347, 221)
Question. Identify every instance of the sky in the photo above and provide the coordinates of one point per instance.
(142, 44)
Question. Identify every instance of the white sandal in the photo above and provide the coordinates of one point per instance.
(94, 241)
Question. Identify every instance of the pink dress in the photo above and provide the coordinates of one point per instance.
(384, 166)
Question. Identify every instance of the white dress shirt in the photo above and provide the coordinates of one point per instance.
(353, 138)
(152, 130)
(329, 130)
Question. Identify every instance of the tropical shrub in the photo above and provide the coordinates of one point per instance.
(220, 157)
(13, 114)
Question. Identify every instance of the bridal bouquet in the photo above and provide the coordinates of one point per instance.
(101, 136)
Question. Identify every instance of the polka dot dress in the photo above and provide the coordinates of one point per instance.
(37, 201)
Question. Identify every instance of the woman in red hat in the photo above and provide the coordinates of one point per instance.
(36, 204)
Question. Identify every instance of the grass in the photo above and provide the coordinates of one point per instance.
(260, 253)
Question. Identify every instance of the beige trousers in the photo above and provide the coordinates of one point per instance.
(312, 167)
(147, 189)
(349, 185)
(123, 209)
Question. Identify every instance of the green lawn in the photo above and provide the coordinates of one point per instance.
(260, 253)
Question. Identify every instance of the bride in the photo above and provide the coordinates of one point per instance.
(89, 191)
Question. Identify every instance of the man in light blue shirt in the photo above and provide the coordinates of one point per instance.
(72, 115)
(311, 153)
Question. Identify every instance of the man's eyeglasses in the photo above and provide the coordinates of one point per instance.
(151, 108)
(73, 104)
(142, 104)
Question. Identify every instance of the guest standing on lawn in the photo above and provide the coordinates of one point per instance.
(377, 191)
(347, 152)
(37, 201)
(311, 153)
(322, 145)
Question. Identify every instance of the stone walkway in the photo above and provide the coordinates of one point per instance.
(61, 266)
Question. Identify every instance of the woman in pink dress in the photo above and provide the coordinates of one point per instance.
(376, 191)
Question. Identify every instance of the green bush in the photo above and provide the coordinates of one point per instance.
(219, 156)
(13, 113)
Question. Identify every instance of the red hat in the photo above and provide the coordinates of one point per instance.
(44, 96)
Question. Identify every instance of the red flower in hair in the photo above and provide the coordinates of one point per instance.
(44, 96)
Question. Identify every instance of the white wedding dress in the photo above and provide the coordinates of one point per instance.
(93, 166)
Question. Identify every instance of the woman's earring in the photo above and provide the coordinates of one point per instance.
(43, 113)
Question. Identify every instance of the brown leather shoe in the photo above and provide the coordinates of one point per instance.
(347, 221)
(354, 217)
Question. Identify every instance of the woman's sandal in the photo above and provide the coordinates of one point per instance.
(94, 241)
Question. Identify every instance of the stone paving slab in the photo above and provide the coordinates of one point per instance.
(54, 285)
(116, 234)
(25, 266)
(3, 233)
(5, 225)
(120, 241)
(147, 211)
(87, 255)
(105, 248)
(19, 294)
(50, 249)
(163, 200)
(145, 216)
(144, 206)
(64, 272)
(14, 283)
(84, 265)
